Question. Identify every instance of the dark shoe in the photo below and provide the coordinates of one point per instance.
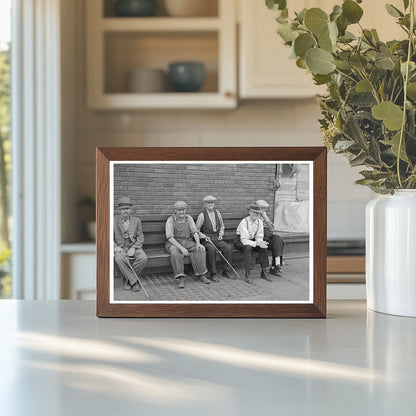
(275, 271)
(205, 280)
(248, 277)
(214, 277)
(265, 276)
(136, 287)
(227, 274)
(181, 282)
(126, 285)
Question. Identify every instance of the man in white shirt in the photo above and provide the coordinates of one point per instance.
(251, 233)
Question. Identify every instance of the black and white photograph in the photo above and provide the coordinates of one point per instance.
(211, 232)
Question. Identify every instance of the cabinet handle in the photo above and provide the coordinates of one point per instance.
(229, 94)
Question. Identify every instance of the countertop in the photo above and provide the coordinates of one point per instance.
(57, 358)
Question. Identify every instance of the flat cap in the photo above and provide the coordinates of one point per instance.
(255, 208)
(262, 203)
(124, 202)
(210, 198)
(180, 205)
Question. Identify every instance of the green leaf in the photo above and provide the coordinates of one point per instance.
(325, 42)
(374, 174)
(342, 25)
(276, 4)
(384, 62)
(301, 63)
(321, 79)
(394, 143)
(316, 20)
(301, 15)
(358, 160)
(287, 33)
(393, 11)
(406, 4)
(336, 12)
(351, 11)
(391, 114)
(319, 61)
(363, 86)
(411, 90)
(358, 61)
(303, 43)
(347, 37)
(343, 145)
(375, 35)
(345, 65)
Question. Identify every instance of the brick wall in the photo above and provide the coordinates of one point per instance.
(154, 188)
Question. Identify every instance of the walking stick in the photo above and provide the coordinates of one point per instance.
(219, 252)
(137, 277)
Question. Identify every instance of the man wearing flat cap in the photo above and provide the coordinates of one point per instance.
(128, 244)
(211, 229)
(183, 240)
(276, 244)
(250, 238)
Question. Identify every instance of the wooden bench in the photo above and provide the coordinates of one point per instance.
(296, 244)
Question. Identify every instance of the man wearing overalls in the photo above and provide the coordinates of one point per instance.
(183, 240)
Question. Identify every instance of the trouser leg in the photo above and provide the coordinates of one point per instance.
(124, 266)
(140, 261)
(276, 245)
(263, 257)
(247, 252)
(211, 257)
(226, 251)
(176, 260)
(198, 258)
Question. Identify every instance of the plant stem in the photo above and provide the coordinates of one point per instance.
(405, 81)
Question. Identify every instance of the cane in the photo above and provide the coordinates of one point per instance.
(219, 252)
(137, 277)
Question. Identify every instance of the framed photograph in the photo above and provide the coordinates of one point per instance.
(211, 232)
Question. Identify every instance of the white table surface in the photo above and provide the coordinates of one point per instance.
(57, 358)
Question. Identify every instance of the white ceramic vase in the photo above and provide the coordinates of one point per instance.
(391, 253)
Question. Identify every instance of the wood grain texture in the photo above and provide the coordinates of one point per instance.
(317, 309)
(346, 264)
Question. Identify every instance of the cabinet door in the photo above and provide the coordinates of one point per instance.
(265, 68)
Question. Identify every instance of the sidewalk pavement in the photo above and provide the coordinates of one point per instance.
(292, 285)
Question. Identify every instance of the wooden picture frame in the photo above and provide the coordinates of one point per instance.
(242, 159)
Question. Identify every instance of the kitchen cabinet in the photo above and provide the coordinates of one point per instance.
(118, 45)
(265, 70)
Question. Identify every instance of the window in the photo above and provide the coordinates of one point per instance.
(5, 147)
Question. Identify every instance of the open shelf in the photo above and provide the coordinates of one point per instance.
(127, 51)
(116, 46)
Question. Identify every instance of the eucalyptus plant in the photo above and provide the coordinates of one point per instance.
(369, 111)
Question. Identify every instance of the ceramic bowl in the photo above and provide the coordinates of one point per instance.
(186, 76)
(135, 8)
(147, 80)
